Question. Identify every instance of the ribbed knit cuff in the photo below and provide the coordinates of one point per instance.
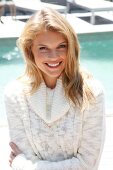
(19, 162)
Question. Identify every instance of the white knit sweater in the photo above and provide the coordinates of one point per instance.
(68, 140)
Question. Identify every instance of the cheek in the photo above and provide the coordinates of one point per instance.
(64, 57)
(38, 59)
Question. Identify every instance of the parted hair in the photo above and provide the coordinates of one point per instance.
(74, 79)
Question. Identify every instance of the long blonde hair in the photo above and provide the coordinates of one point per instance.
(73, 79)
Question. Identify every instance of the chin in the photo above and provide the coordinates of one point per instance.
(54, 76)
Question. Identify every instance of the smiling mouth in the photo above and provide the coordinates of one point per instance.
(53, 65)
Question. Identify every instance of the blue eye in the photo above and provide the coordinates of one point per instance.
(42, 48)
(62, 46)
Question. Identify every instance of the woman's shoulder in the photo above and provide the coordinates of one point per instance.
(13, 88)
(95, 86)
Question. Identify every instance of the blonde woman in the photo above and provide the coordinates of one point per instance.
(55, 110)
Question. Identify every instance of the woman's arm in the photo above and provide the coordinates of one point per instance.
(16, 127)
(89, 150)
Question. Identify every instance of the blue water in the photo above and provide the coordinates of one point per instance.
(11, 66)
(96, 55)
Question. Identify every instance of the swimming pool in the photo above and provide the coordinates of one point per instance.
(96, 56)
(11, 66)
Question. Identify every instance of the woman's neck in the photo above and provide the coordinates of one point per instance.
(50, 82)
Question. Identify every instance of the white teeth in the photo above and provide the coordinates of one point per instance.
(53, 65)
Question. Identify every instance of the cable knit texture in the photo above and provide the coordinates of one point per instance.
(69, 140)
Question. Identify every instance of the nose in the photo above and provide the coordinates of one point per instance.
(53, 54)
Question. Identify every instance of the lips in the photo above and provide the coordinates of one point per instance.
(53, 65)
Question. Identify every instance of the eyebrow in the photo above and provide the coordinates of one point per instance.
(64, 42)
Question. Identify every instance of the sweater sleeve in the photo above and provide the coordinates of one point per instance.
(15, 123)
(90, 147)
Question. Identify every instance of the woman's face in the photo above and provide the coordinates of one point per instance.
(50, 50)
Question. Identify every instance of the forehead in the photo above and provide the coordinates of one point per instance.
(48, 37)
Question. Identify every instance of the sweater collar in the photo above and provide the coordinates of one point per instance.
(60, 104)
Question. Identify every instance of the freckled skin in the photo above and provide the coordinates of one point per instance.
(50, 50)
